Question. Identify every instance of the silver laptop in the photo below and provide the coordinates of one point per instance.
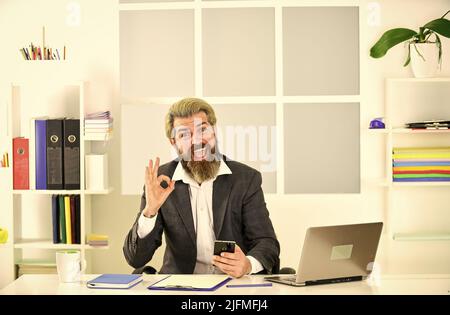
(334, 254)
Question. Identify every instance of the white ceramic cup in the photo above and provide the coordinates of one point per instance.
(69, 265)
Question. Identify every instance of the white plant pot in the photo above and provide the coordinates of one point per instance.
(427, 65)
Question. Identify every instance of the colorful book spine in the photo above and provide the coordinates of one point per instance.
(21, 179)
(55, 220)
(73, 220)
(41, 153)
(62, 219)
(68, 220)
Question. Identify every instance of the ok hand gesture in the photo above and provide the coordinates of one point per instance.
(155, 194)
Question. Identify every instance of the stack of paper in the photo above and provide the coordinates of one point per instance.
(35, 267)
(98, 126)
(97, 240)
(421, 164)
(429, 124)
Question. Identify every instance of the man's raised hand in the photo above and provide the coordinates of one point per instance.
(155, 194)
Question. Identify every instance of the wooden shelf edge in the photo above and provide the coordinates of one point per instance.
(62, 192)
(48, 244)
(421, 236)
(99, 192)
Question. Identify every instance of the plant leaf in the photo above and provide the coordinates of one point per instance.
(389, 39)
(440, 26)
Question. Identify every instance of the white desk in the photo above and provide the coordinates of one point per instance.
(388, 284)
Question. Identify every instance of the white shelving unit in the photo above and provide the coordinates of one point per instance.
(394, 130)
(11, 253)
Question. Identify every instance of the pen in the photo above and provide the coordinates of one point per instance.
(251, 285)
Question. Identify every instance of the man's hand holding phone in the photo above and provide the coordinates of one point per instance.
(235, 263)
(155, 194)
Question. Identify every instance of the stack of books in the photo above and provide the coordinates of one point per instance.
(66, 218)
(423, 164)
(97, 240)
(98, 126)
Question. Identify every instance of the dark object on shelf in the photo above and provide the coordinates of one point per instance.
(377, 123)
(55, 158)
(71, 154)
(429, 124)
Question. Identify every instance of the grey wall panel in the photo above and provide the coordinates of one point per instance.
(156, 53)
(321, 148)
(321, 51)
(247, 134)
(238, 52)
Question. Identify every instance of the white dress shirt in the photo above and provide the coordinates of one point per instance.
(201, 203)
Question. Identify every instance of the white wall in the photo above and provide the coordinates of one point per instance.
(93, 56)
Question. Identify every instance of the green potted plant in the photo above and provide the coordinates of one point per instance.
(424, 47)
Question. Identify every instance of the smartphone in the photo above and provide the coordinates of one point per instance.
(223, 246)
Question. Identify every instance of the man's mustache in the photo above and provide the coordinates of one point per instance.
(210, 152)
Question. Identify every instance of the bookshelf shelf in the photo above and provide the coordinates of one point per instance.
(406, 131)
(376, 131)
(99, 192)
(90, 247)
(421, 184)
(90, 137)
(389, 183)
(417, 132)
(422, 236)
(419, 80)
(62, 192)
(48, 244)
(46, 192)
(43, 244)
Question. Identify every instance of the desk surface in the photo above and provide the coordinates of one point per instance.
(388, 284)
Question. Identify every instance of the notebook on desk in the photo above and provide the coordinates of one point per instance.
(191, 282)
(114, 281)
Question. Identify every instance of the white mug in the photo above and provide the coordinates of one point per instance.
(69, 265)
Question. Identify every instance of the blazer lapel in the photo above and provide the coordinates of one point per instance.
(221, 193)
(183, 205)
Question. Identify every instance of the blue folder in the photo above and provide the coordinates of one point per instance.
(187, 288)
(41, 153)
(114, 281)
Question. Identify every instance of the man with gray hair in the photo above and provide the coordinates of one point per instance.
(198, 198)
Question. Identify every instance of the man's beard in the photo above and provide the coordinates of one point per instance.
(202, 170)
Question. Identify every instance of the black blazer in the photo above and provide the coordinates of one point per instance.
(239, 214)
